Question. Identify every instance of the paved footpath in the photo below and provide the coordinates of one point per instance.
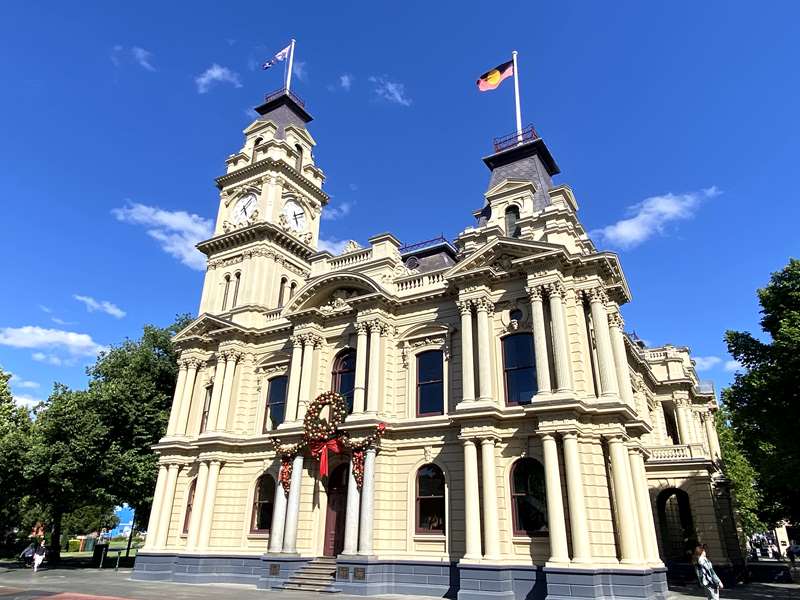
(106, 584)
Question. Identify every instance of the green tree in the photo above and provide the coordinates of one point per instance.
(15, 432)
(86, 519)
(131, 387)
(764, 399)
(741, 474)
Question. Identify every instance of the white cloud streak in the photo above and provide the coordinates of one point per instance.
(178, 232)
(706, 363)
(101, 305)
(216, 74)
(135, 54)
(332, 245)
(331, 213)
(142, 58)
(346, 81)
(26, 401)
(19, 382)
(651, 216)
(733, 365)
(31, 336)
(391, 91)
(299, 70)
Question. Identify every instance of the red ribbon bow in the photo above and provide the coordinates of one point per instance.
(319, 450)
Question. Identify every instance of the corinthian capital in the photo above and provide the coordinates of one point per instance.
(596, 294)
(615, 320)
(484, 305)
(464, 306)
(555, 290)
(361, 328)
(534, 293)
(296, 340)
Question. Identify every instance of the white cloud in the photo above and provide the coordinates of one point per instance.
(331, 213)
(58, 321)
(216, 74)
(651, 216)
(353, 187)
(346, 81)
(103, 306)
(391, 91)
(19, 382)
(142, 58)
(332, 245)
(45, 309)
(50, 359)
(705, 363)
(135, 54)
(178, 232)
(31, 336)
(733, 365)
(25, 400)
(299, 70)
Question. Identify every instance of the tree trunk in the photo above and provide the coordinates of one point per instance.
(130, 536)
(54, 553)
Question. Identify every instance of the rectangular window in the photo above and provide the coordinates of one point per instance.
(430, 383)
(519, 368)
(276, 403)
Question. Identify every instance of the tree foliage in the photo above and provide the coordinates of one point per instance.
(15, 431)
(764, 399)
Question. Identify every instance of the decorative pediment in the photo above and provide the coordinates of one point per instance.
(259, 125)
(334, 293)
(510, 187)
(205, 327)
(500, 256)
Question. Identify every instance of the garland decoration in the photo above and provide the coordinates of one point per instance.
(285, 474)
(317, 430)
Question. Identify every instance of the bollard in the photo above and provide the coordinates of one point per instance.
(119, 553)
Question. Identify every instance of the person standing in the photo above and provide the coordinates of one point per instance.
(706, 576)
(38, 555)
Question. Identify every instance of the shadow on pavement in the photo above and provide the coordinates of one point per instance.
(751, 591)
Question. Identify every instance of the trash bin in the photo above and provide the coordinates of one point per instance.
(98, 554)
(90, 543)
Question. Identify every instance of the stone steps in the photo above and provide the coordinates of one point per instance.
(316, 576)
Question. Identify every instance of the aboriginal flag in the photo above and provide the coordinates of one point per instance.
(492, 78)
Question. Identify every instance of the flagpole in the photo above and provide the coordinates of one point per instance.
(516, 94)
(289, 69)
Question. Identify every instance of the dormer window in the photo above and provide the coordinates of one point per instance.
(298, 161)
(512, 216)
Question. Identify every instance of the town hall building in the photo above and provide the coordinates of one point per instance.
(494, 431)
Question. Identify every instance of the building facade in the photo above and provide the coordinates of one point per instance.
(530, 449)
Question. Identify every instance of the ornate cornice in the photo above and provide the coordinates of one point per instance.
(281, 166)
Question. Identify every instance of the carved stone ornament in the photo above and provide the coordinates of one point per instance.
(338, 301)
(427, 453)
(410, 346)
(502, 263)
(351, 246)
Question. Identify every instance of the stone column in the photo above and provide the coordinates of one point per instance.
(491, 525)
(615, 325)
(626, 510)
(312, 342)
(182, 423)
(483, 308)
(540, 340)
(278, 521)
(555, 504)
(155, 511)
(367, 504)
(578, 520)
(683, 421)
(642, 496)
(231, 358)
(467, 356)
(605, 355)
(295, 369)
(293, 507)
(197, 509)
(165, 509)
(172, 426)
(555, 292)
(361, 368)
(374, 384)
(472, 513)
(209, 500)
(216, 392)
(352, 516)
(711, 434)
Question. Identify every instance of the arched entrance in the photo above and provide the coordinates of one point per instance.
(335, 513)
(675, 521)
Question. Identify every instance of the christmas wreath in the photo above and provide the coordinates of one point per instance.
(315, 429)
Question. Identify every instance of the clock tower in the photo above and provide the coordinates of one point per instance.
(267, 226)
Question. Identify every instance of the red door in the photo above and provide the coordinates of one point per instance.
(335, 516)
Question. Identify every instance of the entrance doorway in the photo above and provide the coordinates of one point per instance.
(337, 508)
(678, 536)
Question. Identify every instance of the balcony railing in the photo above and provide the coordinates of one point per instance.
(528, 134)
(419, 245)
(281, 92)
(676, 452)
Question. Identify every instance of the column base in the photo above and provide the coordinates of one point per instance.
(608, 584)
(369, 576)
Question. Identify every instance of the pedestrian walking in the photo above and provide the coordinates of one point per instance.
(706, 576)
(38, 555)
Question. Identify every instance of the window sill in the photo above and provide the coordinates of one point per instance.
(521, 539)
(258, 535)
(429, 537)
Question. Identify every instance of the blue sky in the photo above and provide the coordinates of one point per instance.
(674, 123)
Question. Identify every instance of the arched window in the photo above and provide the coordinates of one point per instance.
(263, 500)
(430, 513)
(225, 294)
(282, 292)
(258, 141)
(292, 289)
(275, 412)
(670, 424)
(343, 376)
(430, 383)
(237, 280)
(298, 160)
(519, 368)
(528, 497)
(678, 536)
(187, 519)
(206, 410)
(512, 216)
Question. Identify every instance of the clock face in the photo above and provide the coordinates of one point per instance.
(244, 208)
(295, 215)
